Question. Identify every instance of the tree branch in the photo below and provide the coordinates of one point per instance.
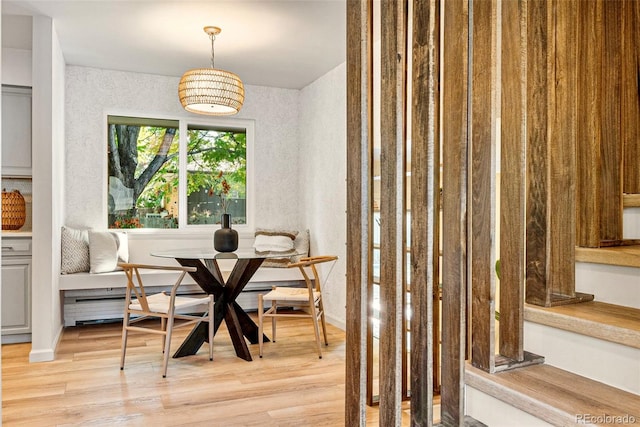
(158, 160)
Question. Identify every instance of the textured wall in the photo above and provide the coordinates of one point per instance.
(323, 199)
(93, 93)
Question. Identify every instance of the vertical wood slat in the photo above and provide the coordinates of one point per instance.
(454, 147)
(359, 123)
(482, 186)
(512, 179)
(630, 109)
(553, 88)
(588, 115)
(611, 190)
(425, 188)
(562, 148)
(393, 56)
(538, 35)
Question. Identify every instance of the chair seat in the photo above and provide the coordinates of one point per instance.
(290, 294)
(159, 303)
(309, 299)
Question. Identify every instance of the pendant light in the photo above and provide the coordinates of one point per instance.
(211, 91)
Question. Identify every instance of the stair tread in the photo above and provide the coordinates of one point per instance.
(557, 396)
(627, 256)
(596, 319)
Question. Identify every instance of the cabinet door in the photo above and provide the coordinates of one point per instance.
(16, 296)
(16, 131)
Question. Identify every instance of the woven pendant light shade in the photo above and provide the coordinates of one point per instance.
(211, 91)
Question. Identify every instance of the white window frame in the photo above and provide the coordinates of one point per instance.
(183, 124)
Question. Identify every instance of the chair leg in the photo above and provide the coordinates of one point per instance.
(163, 327)
(316, 331)
(324, 324)
(260, 319)
(211, 326)
(167, 347)
(125, 333)
(274, 313)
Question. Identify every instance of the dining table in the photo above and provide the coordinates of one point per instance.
(209, 277)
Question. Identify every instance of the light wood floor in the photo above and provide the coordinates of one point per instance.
(290, 386)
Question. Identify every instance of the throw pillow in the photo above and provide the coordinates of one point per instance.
(291, 234)
(74, 251)
(106, 249)
(300, 248)
(278, 243)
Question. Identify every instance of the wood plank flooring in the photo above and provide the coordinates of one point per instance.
(290, 386)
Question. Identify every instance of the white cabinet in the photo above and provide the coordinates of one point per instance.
(16, 290)
(16, 131)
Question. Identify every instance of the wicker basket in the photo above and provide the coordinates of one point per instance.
(13, 210)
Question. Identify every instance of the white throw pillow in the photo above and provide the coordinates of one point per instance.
(300, 248)
(74, 251)
(106, 249)
(278, 243)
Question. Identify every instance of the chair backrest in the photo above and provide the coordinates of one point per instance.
(311, 262)
(136, 286)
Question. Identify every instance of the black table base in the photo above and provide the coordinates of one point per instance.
(239, 324)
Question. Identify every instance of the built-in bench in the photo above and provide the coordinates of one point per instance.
(98, 297)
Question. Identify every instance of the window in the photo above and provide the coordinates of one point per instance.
(172, 174)
(216, 175)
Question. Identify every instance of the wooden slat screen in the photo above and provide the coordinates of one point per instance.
(393, 60)
(425, 212)
(561, 148)
(482, 173)
(612, 143)
(630, 110)
(512, 179)
(359, 131)
(454, 186)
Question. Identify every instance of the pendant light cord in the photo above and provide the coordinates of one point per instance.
(213, 39)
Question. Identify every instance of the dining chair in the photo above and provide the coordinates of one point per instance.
(167, 308)
(299, 302)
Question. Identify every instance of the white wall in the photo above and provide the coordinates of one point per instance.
(48, 164)
(93, 93)
(16, 67)
(323, 198)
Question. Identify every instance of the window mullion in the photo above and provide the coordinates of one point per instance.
(182, 174)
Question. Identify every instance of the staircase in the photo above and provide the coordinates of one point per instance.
(591, 374)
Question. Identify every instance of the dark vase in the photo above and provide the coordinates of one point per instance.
(225, 239)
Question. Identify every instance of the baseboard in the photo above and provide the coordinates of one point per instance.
(45, 355)
(338, 323)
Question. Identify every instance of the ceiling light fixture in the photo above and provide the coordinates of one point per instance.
(209, 90)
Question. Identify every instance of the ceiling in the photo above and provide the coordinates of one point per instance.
(286, 44)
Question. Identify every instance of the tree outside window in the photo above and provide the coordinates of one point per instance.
(144, 173)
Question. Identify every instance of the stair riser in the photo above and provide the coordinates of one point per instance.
(609, 283)
(631, 223)
(607, 362)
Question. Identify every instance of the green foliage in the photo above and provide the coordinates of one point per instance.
(209, 153)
